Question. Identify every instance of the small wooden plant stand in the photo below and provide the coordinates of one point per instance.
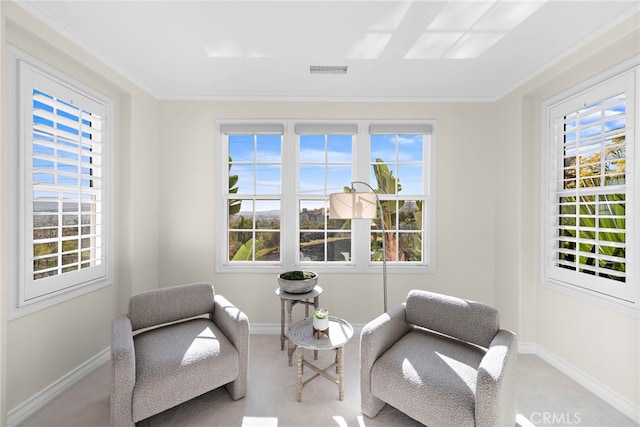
(317, 332)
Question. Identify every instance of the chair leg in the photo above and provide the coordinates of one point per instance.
(237, 389)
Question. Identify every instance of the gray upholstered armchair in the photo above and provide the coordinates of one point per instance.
(165, 352)
(442, 361)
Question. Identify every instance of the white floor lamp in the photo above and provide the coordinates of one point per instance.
(355, 205)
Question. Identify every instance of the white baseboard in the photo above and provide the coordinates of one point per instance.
(605, 393)
(527, 348)
(27, 408)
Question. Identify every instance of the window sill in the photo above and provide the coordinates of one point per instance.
(16, 312)
(627, 308)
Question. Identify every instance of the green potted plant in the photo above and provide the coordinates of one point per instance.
(320, 320)
(297, 281)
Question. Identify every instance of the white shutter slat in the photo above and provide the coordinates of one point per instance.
(48, 131)
(84, 121)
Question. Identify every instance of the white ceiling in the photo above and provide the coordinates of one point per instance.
(399, 50)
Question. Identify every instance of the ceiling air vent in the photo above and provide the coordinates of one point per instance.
(328, 69)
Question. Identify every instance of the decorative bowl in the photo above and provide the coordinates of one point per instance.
(298, 286)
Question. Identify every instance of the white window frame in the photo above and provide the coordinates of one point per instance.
(360, 262)
(23, 299)
(624, 76)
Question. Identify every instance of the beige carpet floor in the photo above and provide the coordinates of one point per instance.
(545, 398)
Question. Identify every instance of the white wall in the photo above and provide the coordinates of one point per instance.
(465, 205)
(599, 344)
(43, 347)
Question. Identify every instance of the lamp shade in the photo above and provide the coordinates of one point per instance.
(352, 205)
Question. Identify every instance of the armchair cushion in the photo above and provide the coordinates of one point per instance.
(177, 362)
(463, 319)
(438, 372)
(170, 304)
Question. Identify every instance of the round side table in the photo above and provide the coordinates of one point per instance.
(302, 336)
(287, 301)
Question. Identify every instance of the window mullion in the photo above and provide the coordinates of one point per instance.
(361, 229)
(290, 245)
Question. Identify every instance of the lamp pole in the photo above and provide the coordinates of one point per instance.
(384, 240)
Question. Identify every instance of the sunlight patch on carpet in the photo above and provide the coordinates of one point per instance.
(259, 421)
(340, 421)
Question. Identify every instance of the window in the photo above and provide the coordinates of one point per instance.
(398, 167)
(254, 192)
(591, 239)
(325, 165)
(276, 185)
(63, 215)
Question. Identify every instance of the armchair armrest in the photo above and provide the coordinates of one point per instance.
(377, 337)
(235, 325)
(495, 387)
(123, 371)
(231, 321)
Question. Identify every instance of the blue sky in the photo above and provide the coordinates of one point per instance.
(319, 173)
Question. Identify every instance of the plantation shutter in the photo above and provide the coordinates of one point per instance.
(590, 191)
(65, 188)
